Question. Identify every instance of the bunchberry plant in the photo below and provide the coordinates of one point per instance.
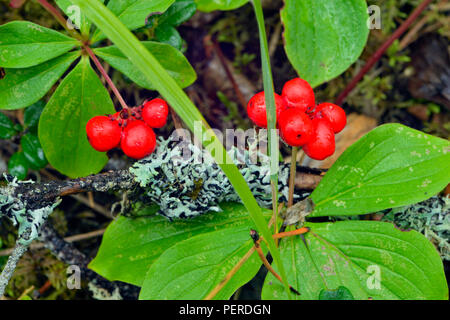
(323, 249)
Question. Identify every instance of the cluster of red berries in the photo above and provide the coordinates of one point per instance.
(130, 129)
(301, 122)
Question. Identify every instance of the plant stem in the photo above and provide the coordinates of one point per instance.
(380, 52)
(230, 76)
(292, 174)
(106, 76)
(59, 17)
(271, 125)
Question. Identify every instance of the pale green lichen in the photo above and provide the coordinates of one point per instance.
(430, 217)
(15, 209)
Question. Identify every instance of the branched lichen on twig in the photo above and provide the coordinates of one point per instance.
(29, 218)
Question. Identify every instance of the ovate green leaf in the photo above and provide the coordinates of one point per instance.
(7, 127)
(371, 259)
(324, 37)
(32, 114)
(18, 165)
(62, 127)
(389, 167)
(22, 87)
(211, 5)
(25, 44)
(179, 12)
(168, 34)
(128, 259)
(172, 60)
(32, 151)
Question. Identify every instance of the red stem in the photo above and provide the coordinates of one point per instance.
(105, 75)
(59, 17)
(380, 52)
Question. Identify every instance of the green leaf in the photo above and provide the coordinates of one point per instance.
(32, 114)
(211, 5)
(18, 165)
(167, 34)
(7, 127)
(62, 128)
(133, 13)
(32, 151)
(190, 269)
(179, 12)
(324, 37)
(180, 102)
(23, 87)
(171, 59)
(342, 293)
(25, 44)
(371, 259)
(128, 259)
(389, 167)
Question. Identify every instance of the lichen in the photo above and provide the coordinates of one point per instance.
(14, 208)
(182, 186)
(430, 217)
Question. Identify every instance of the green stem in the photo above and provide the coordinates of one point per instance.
(271, 125)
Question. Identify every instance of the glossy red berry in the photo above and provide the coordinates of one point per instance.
(298, 94)
(138, 139)
(333, 113)
(103, 133)
(256, 108)
(296, 127)
(323, 145)
(155, 112)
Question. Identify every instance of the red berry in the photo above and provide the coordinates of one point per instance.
(256, 108)
(298, 94)
(103, 133)
(296, 127)
(333, 113)
(155, 112)
(138, 139)
(323, 144)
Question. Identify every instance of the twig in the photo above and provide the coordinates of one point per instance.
(225, 66)
(106, 76)
(257, 241)
(11, 264)
(67, 253)
(75, 238)
(94, 206)
(235, 269)
(274, 39)
(380, 52)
